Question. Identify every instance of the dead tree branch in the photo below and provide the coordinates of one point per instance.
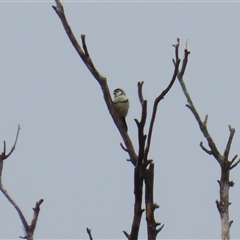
(160, 97)
(140, 161)
(152, 225)
(85, 56)
(222, 159)
(141, 172)
(29, 229)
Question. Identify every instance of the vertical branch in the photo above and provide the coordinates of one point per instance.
(150, 205)
(138, 170)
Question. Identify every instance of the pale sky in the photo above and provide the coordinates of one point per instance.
(68, 151)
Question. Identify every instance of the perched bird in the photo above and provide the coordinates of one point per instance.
(121, 104)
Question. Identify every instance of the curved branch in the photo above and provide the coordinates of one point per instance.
(160, 97)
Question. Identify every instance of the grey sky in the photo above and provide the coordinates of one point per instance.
(68, 151)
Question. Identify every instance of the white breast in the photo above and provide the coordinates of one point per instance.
(121, 104)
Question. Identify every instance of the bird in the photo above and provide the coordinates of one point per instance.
(121, 105)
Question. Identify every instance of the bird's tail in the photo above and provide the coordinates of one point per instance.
(125, 124)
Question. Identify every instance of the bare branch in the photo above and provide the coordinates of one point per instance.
(4, 149)
(184, 63)
(226, 166)
(205, 120)
(228, 146)
(126, 234)
(176, 49)
(140, 95)
(150, 205)
(36, 211)
(202, 125)
(234, 165)
(124, 148)
(3, 155)
(159, 229)
(85, 56)
(23, 220)
(160, 97)
(89, 233)
(141, 136)
(205, 149)
(84, 45)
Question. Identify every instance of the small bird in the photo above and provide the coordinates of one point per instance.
(121, 104)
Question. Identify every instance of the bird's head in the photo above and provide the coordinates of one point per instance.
(118, 92)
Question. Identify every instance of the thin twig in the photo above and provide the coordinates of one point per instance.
(160, 97)
(235, 164)
(228, 146)
(126, 234)
(89, 233)
(3, 155)
(140, 95)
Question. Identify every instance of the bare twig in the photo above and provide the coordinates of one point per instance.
(235, 164)
(89, 233)
(140, 95)
(126, 234)
(3, 155)
(228, 146)
(160, 97)
(124, 148)
(205, 149)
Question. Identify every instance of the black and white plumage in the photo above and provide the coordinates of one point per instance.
(121, 104)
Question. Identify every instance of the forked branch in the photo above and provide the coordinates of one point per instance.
(29, 229)
(141, 172)
(225, 164)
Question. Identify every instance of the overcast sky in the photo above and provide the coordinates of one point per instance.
(68, 151)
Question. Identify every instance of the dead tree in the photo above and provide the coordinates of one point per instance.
(226, 165)
(143, 167)
(29, 229)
